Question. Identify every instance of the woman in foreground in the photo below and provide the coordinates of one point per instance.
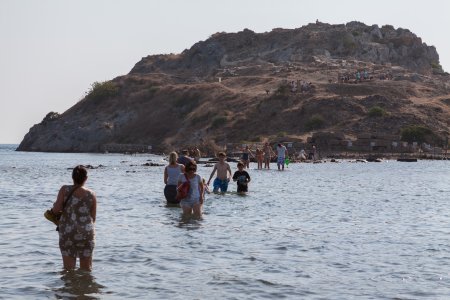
(77, 206)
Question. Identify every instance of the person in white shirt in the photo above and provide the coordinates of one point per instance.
(281, 156)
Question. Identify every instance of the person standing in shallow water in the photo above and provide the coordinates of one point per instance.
(246, 153)
(184, 158)
(222, 179)
(192, 204)
(259, 157)
(281, 155)
(268, 152)
(171, 174)
(78, 208)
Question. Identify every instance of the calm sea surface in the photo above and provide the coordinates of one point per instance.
(315, 231)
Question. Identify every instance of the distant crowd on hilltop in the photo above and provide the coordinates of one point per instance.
(362, 75)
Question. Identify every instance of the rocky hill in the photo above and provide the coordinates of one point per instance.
(249, 87)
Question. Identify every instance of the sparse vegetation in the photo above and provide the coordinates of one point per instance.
(436, 66)
(376, 111)
(315, 122)
(102, 90)
(218, 121)
(200, 119)
(282, 91)
(419, 134)
(186, 103)
(349, 42)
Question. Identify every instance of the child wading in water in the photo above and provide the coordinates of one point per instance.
(242, 178)
(193, 202)
(222, 179)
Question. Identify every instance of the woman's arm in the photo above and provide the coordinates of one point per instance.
(166, 175)
(201, 189)
(212, 174)
(94, 207)
(58, 205)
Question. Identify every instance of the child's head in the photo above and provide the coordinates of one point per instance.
(240, 166)
(222, 156)
(191, 167)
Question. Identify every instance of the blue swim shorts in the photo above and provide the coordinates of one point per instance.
(219, 183)
(280, 160)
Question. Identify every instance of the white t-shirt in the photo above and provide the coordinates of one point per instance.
(281, 151)
(194, 190)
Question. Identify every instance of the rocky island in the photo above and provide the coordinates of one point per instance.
(335, 85)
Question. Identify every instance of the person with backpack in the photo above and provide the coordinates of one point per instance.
(190, 191)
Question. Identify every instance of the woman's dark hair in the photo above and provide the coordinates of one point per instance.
(191, 165)
(79, 174)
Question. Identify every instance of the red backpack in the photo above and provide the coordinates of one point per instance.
(183, 189)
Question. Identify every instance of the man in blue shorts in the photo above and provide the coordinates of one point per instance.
(222, 179)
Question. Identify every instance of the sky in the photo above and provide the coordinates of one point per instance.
(51, 51)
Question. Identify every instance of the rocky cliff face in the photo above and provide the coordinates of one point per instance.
(353, 40)
(237, 87)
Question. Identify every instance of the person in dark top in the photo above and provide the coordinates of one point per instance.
(246, 153)
(242, 178)
(184, 158)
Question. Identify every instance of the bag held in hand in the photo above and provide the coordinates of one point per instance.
(183, 189)
(53, 217)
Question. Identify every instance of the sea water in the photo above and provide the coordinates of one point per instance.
(315, 231)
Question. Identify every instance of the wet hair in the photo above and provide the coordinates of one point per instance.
(173, 156)
(190, 165)
(240, 164)
(79, 174)
(222, 154)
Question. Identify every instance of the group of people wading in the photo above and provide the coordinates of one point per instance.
(265, 155)
(182, 169)
(77, 205)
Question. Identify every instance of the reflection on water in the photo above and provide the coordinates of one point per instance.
(78, 284)
(190, 222)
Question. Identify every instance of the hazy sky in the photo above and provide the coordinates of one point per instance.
(52, 50)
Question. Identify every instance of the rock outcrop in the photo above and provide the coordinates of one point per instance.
(245, 86)
(353, 40)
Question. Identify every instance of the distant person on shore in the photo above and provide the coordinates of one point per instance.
(171, 174)
(184, 158)
(246, 153)
(78, 208)
(313, 154)
(242, 178)
(197, 154)
(302, 155)
(259, 157)
(282, 152)
(222, 179)
(192, 204)
(268, 153)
